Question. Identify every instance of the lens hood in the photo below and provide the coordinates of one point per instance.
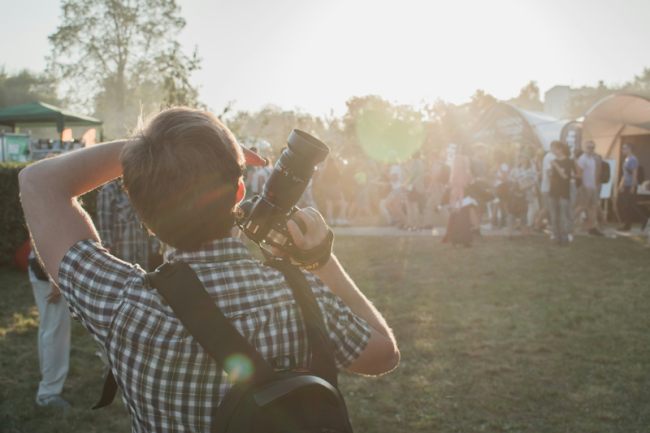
(307, 147)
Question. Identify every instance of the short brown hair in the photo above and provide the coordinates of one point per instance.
(181, 170)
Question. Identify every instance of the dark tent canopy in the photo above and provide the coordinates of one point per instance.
(39, 114)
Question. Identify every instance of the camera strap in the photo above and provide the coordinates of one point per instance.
(315, 258)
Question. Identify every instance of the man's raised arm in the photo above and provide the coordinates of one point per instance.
(48, 191)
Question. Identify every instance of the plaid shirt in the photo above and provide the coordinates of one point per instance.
(120, 228)
(168, 383)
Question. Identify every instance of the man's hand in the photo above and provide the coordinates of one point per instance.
(54, 296)
(316, 229)
(315, 235)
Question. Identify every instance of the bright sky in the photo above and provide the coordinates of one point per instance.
(315, 55)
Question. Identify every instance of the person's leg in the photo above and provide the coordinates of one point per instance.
(53, 341)
(565, 210)
(504, 213)
(396, 206)
(415, 214)
(555, 218)
(511, 226)
(533, 210)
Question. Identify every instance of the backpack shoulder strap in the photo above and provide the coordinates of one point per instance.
(322, 357)
(184, 292)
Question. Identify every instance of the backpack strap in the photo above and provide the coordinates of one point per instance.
(179, 285)
(184, 292)
(322, 357)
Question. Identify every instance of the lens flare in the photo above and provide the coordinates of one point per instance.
(388, 138)
(239, 367)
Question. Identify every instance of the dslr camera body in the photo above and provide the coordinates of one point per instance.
(264, 217)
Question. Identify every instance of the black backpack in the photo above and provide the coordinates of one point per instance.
(289, 400)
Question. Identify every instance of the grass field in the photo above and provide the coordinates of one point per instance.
(503, 337)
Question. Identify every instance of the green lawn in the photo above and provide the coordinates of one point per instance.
(506, 336)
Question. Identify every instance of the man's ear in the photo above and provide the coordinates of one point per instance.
(241, 191)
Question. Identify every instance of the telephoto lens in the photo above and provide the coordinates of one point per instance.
(264, 217)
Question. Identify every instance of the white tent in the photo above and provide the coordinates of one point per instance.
(614, 117)
(503, 122)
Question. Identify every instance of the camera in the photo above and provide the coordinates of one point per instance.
(264, 217)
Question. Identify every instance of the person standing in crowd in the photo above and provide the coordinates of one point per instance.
(561, 172)
(439, 178)
(262, 174)
(545, 188)
(331, 185)
(480, 173)
(250, 173)
(395, 198)
(53, 336)
(348, 192)
(415, 190)
(501, 170)
(627, 207)
(522, 194)
(590, 166)
(362, 206)
(121, 231)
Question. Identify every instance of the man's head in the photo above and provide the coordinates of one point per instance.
(590, 148)
(557, 148)
(182, 171)
(628, 149)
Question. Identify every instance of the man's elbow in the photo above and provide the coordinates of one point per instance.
(26, 181)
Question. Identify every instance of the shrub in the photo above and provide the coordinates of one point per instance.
(13, 229)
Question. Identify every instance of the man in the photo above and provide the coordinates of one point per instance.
(590, 166)
(183, 173)
(53, 337)
(480, 173)
(250, 173)
(121, 231)
(560, 174)
(627, 207)
(545, 187)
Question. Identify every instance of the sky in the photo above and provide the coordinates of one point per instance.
(313, 56)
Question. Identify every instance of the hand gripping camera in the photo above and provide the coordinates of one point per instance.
(264, 217)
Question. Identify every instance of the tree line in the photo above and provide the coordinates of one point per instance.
(110, 58)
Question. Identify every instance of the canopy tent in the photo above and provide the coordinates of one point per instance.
(503, 122)
(39, 114)
(571, 134)
(613, 117)
(615, 120)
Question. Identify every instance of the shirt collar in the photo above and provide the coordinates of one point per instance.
(220, 250)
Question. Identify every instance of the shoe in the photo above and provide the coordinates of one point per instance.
(595, 232)
(569, 238)
(53, 401)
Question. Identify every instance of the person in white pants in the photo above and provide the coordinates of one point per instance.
(53, 340)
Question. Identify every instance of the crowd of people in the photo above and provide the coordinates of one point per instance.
(502, 187)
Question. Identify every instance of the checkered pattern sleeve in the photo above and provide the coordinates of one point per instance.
(349, 334)
(105, 213)
(92, 281)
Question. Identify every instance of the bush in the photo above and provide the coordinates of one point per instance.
(13, 229)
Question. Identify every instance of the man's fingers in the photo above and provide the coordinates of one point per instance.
(319, 223)
(296, 233)
(307, 218)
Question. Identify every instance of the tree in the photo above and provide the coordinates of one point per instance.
(26, 87)
(528, 98)
(113, 55)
